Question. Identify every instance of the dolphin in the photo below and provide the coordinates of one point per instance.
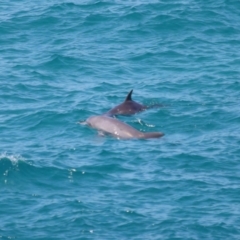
(118, 129)
(128, 107)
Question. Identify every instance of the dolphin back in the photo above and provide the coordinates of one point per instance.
(152, 135)
(119, 129)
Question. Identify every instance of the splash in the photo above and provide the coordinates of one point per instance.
(8, 163)
(14, 158)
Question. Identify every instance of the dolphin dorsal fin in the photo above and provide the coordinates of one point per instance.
(129, 96)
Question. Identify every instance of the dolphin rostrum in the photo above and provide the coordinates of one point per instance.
(129, 107)
(119, 129)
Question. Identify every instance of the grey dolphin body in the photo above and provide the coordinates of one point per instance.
(128, 107)
(119, 129)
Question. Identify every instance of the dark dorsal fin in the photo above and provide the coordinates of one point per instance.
(129, 96)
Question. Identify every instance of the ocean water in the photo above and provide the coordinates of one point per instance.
(64, 61)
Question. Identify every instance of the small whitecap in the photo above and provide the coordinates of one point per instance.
(150, 125)
(139, 121)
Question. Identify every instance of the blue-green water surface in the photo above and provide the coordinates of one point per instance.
(64, 61)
